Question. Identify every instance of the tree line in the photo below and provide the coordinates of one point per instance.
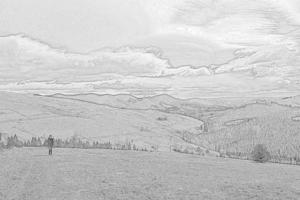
(73, 142)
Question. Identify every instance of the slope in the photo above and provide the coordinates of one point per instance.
(31, 115)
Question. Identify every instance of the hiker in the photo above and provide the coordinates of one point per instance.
(50, 144)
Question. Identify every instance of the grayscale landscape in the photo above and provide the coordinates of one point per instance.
(149, 99)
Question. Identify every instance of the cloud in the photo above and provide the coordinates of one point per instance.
(31, 66)
(187, 71)
(207, 32)
(236, 22)
(268, 60)
(214, 47)
(24, 59)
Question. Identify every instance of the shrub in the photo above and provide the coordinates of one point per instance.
(186, 150)
(162, 118)
(260, 153)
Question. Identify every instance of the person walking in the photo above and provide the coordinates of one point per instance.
(50, 144)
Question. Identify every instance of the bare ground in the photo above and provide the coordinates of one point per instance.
(29, 174)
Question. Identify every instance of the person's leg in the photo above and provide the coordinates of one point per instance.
(49, 151)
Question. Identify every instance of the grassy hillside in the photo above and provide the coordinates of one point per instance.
(238, 130)
(231, 126)
(31, 115)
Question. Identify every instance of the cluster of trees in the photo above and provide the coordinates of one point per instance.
(13, 141)
(73, 142)
(280, 137)
(237, 149)
(35, 142)
(260, 153)
(239, 143)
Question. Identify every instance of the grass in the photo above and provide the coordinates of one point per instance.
(28, 173)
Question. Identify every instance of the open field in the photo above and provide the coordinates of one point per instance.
(29, 174)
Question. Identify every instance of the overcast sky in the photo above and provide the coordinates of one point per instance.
(187, 48)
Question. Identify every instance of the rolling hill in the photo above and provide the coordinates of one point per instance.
(227, 126)
(32, 115)
(230, 125)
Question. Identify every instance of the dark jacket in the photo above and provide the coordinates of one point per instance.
(50, 142)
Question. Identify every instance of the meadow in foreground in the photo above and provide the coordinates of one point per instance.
(28, 173)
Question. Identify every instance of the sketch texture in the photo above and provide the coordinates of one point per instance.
(149, 99)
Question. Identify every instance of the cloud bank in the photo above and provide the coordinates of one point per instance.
(31, 66)
(184, 48)
(23, 59)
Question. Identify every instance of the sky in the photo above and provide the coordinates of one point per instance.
(185, 48)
